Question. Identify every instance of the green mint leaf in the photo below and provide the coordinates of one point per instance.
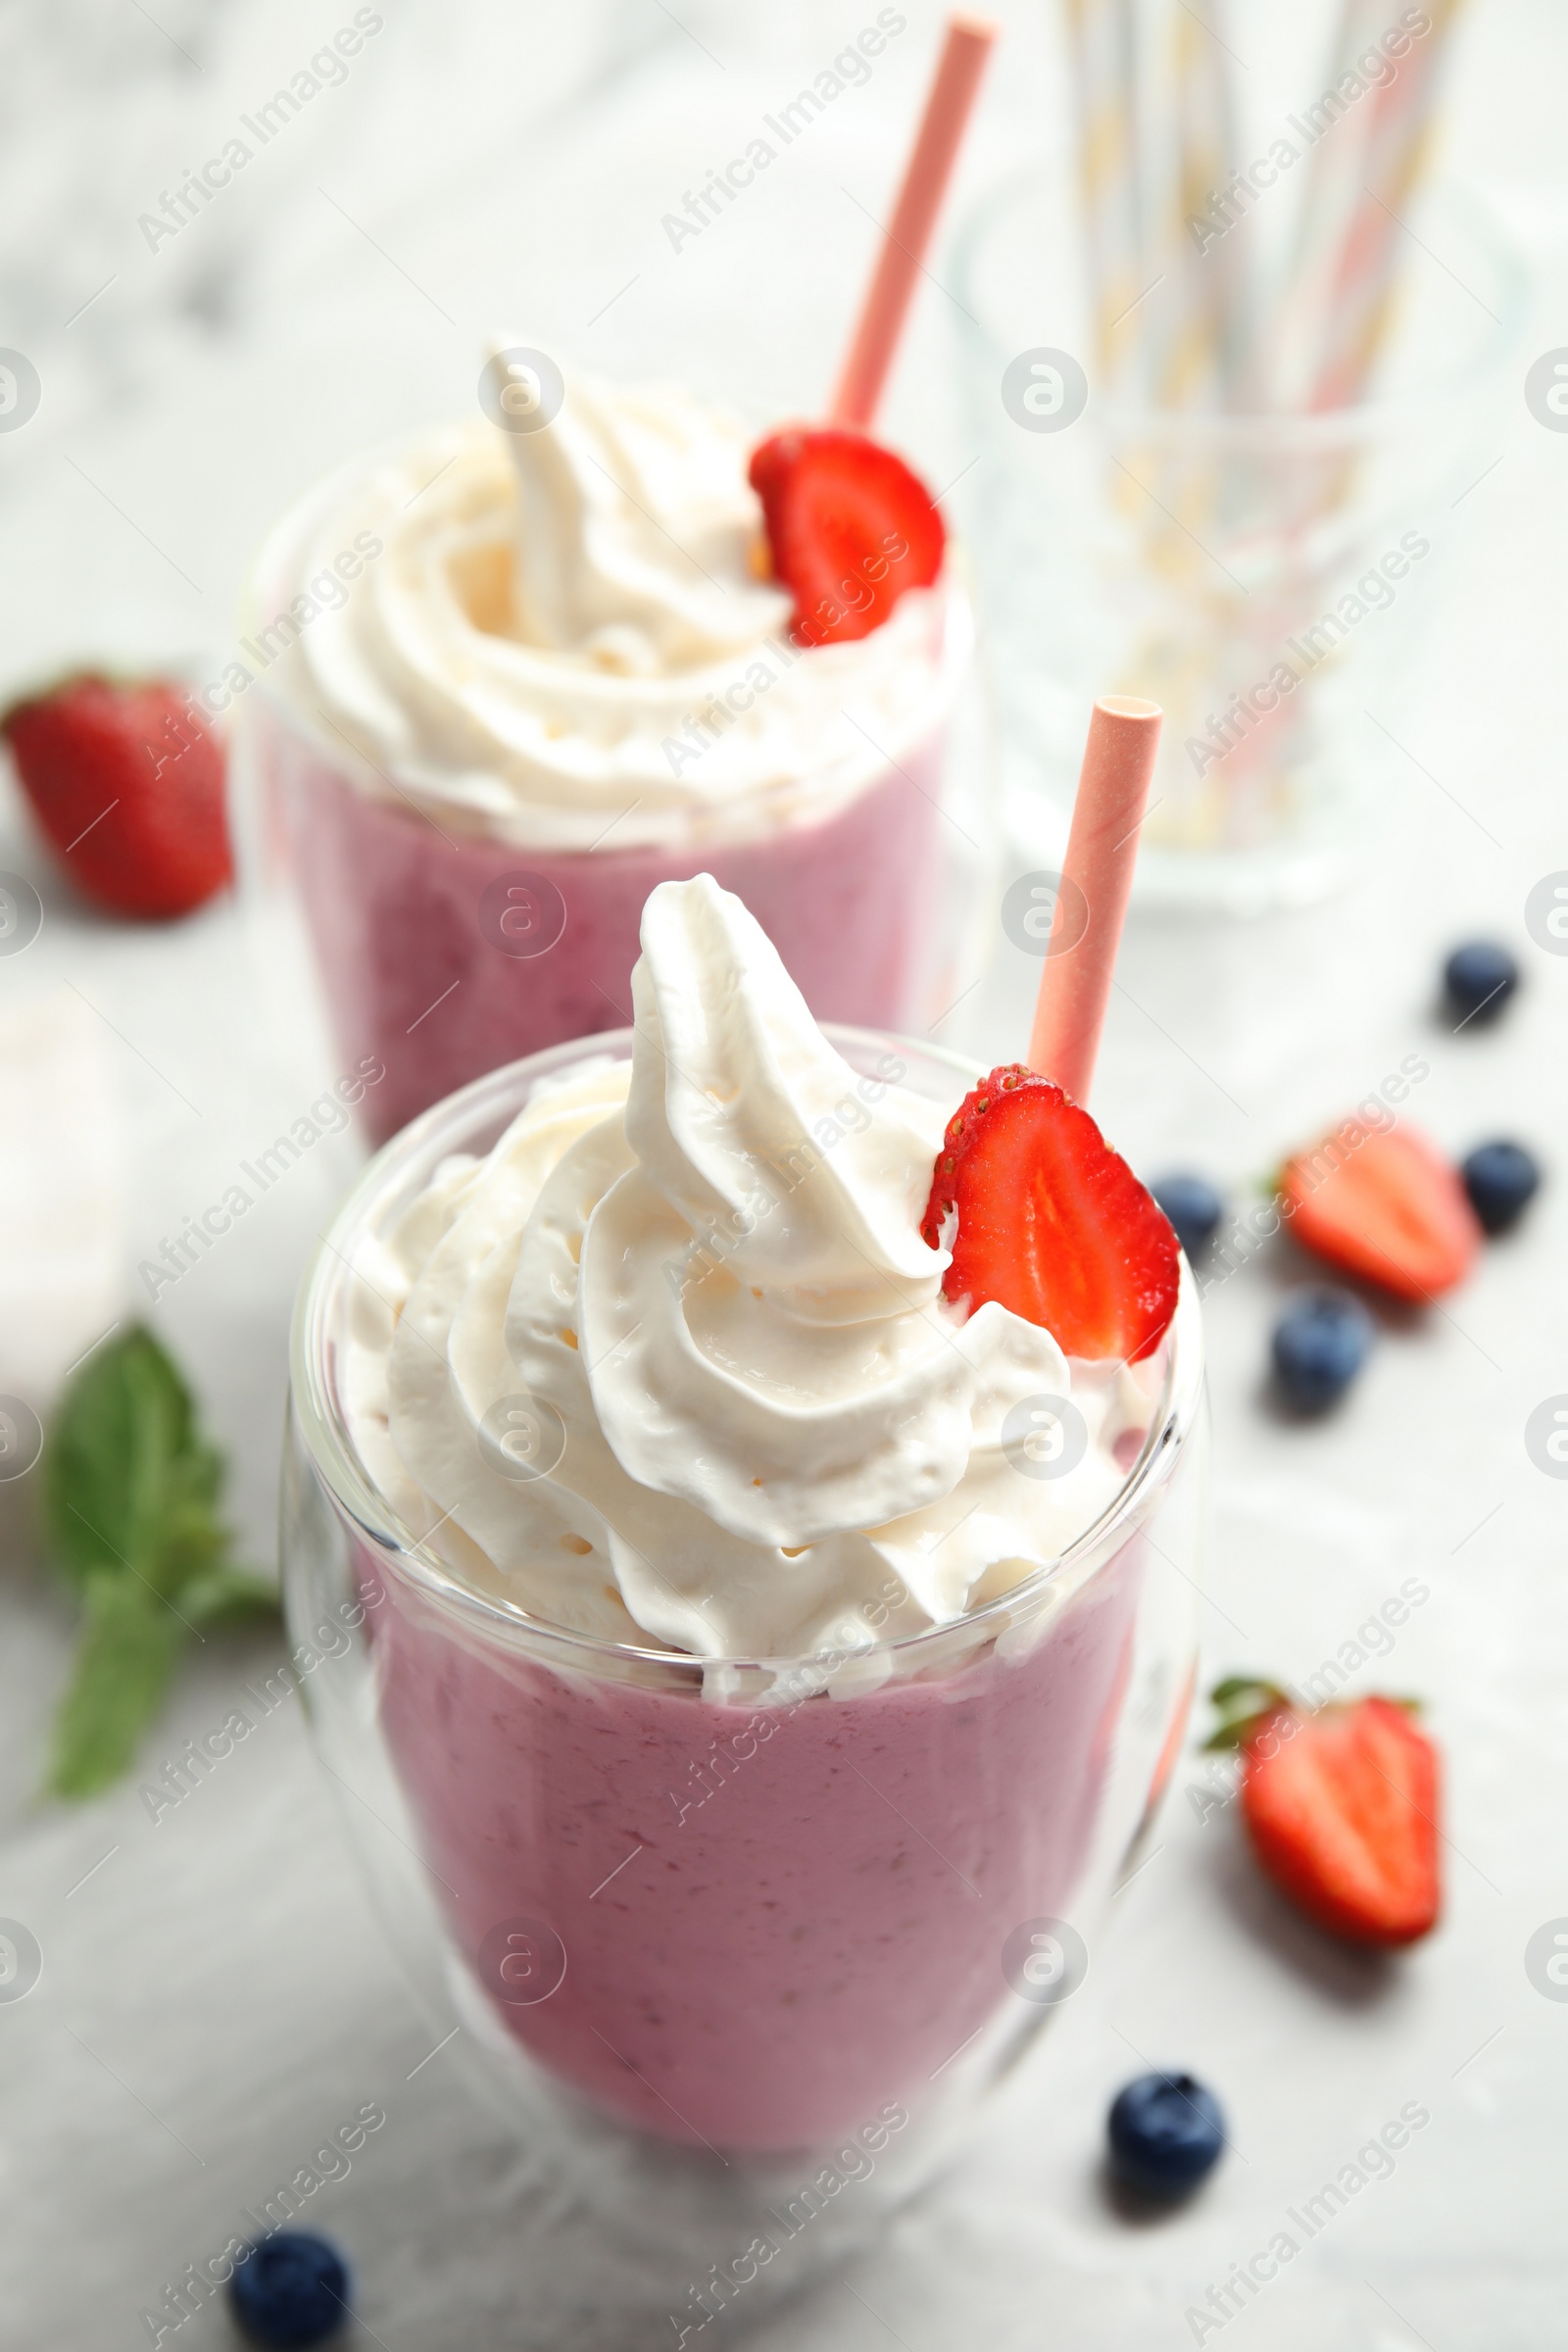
(130, 1486)
(227, 1595)
(130, 1641)
(130, 1511)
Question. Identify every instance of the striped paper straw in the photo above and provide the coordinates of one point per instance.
(1104, 66)
(1189, 320)
(1365, 288)
(1193, 311)
(1335, 173)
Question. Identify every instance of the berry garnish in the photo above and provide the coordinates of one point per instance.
(1165, 2133)
(1341, 1807)
(127, 783)
(851, 528)
(1383, 1204)
(1319, 1345)
(292, 2288)
(1194, 1207)
(1501, 1180)
(1477, 979)
(1052, 1222)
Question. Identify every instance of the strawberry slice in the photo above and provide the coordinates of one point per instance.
(1342, 1810)
(1052, 1222)
(1384, 1205)
(128, 785)
(851, 528)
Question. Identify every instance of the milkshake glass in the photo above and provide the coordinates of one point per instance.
(501, 683)
(744, 1922)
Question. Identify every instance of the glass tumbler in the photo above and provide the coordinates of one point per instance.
(1265, 574)
(741, 1943)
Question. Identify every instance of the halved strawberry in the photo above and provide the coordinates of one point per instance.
(1386, 1205)
(1342, 1810)
(849, 527)
(1052, 1222)
(128, 782)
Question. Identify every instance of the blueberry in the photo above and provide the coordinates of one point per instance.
(1193, 1207)
(1500, 1179)
(1478, 980)
(290, 2289)
(1165, 2132)
(1320, 1343)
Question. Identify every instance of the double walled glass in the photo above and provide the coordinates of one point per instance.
(441, 940)
(742, 1941)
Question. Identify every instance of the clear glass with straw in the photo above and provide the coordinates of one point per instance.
(1263, 574)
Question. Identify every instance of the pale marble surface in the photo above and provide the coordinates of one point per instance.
(216, 1993)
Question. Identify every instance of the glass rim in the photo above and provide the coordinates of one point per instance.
(1333, 429)
(317, 1415)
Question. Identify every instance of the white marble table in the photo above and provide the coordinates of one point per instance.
(216, 1994)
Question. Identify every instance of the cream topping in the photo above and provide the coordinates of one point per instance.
(563, 629)
(672, 1364)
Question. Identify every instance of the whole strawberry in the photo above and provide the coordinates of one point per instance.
(128, 782)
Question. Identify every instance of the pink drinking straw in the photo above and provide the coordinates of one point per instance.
(936, 148)
(1096, 876)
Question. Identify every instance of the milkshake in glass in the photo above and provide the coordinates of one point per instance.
(514, 672)
(771, 1662)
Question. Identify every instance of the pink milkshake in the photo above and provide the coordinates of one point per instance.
(810, 1903)
(509, 681)
(769, 1657)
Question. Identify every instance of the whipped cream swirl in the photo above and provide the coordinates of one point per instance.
(701, 1281)
(566, 628)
